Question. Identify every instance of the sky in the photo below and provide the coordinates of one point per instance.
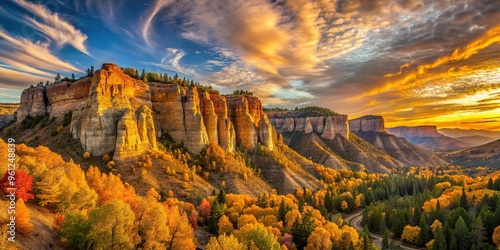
(415, 62)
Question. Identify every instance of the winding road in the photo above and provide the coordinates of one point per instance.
(355, 221)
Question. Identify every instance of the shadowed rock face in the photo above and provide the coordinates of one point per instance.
(113, 112)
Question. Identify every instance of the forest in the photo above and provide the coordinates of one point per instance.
(94, 209)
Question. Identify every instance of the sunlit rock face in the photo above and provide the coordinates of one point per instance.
(367, 123)
(251, 123)
(112, 113)
(115, 113)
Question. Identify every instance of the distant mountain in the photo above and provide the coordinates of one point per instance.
(456, 132)
(487, 155)
(475, 140)
(335, 142)
(7, 113)
(371, 129)
(428, 137)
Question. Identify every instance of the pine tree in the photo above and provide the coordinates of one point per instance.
(462, 234)
(221, 197)
(463, 200)
(301, 230)
(72, 76)
(478, 233)
(216, 212)
(439, 239)
(423, 235)
(144, 77)
(283, 209)
(57, 78)
(490, 184)
(385, 240)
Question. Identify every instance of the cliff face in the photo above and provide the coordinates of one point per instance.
(109, 118)
(33, 102)
(328, 127)
(367, 123)
(113, 112)
(55, 99)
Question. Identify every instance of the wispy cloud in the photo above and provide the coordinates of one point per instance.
(34, 56)
(148, 19)
(171, 61)
(55, 27)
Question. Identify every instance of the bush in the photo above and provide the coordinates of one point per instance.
(86, 155)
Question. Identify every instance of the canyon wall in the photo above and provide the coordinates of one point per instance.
(326, 126)
(367, 123)
(115, 113)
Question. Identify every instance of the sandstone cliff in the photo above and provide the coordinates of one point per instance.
(115, 113)
(367, 123)
(105, 121)
(327, 126)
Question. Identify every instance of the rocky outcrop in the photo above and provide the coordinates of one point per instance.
(135, 132)
(33, 103)
(326, 126)
(105, 122)
(55, 99)
(245, 121)
(65, 96)
(367, 123)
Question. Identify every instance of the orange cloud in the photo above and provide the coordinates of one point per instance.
(409, 80)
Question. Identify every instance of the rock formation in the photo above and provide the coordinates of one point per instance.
(33, 103)
(105, 122)
(115, 113)
(327, 126)
(367, 123)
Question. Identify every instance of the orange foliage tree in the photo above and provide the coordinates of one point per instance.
(23, 218)
(23, 182)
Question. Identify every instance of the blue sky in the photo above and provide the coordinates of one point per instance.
(419, 62)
